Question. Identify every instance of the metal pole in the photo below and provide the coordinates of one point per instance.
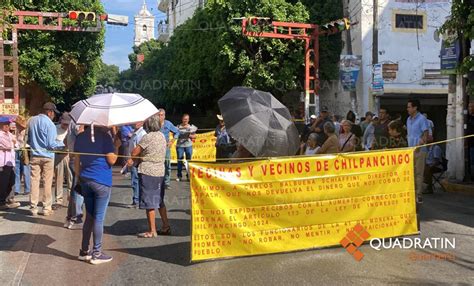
(375, 45)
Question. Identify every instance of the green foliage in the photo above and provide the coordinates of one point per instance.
(64, 64)
(146, 48)
(208, 55)
(108, 75)
(461, 23)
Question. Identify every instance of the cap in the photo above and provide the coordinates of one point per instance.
(369, 113)
(220, 117)
(324, 109)
(50, 106)
(20, 121)
(313, 116)
(4, 120)
(65, 118)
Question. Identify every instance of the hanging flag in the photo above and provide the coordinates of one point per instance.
(349, 71)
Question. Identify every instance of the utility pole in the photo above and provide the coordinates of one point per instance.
(353, 94)
(375, 44)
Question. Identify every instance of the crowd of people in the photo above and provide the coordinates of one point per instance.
(329, 134)
(74, 163)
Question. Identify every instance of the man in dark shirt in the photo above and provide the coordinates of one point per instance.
(470, 140)
(381, 130)
(319, 123)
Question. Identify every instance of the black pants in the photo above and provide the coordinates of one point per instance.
(7, 181)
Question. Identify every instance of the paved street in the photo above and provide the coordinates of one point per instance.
(40, 251)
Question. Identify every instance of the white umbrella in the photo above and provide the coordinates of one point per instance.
(112, 109)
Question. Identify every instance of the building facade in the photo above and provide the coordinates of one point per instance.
(144, 26)
(408, 47)
(177, 12)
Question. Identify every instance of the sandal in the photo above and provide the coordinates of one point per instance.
(147, 235)
(165, 231)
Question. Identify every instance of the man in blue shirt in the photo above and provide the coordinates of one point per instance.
(166, 128)
(417, 134)
(42, 140)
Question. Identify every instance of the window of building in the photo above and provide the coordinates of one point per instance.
(408, 21)
(404, 21)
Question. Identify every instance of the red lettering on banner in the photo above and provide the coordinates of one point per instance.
(251, 171)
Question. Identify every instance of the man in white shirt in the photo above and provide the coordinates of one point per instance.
(61, 163)
(7, 166)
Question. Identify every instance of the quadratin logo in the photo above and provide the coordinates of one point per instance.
(353, 240)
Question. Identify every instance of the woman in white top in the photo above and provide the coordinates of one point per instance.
(311, 146)
(347, 140)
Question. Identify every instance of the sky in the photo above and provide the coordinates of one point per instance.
(119, 39)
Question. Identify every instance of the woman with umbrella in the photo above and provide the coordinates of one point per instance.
(95, 175)
(98, 147)
(151, 171)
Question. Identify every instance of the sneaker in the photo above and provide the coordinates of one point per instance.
(46, 212)
(75, 225)
(66, 223)
(167, 187)
(100, 258)
(179, 180)
(33, 211)
(84, 255)
(13, 205)
(132, 206)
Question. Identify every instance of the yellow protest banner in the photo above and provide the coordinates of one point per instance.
(204, 148)
(299, 203)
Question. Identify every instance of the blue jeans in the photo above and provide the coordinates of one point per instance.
(74, 207)
(96, 197)
(21, 168)
(168, 167)
(135, 184)
(181, 151)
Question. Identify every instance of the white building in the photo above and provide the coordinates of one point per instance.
(144, 26)
(177, 12)
(409, 48)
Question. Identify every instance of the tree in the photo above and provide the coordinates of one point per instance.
(64, 64)
(108, 75)
(208, 55)
(461, 24)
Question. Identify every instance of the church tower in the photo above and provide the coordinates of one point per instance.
(144, 25)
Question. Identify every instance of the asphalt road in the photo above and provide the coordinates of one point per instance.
(38, 251)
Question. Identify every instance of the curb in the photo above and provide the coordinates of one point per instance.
(453, 187)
